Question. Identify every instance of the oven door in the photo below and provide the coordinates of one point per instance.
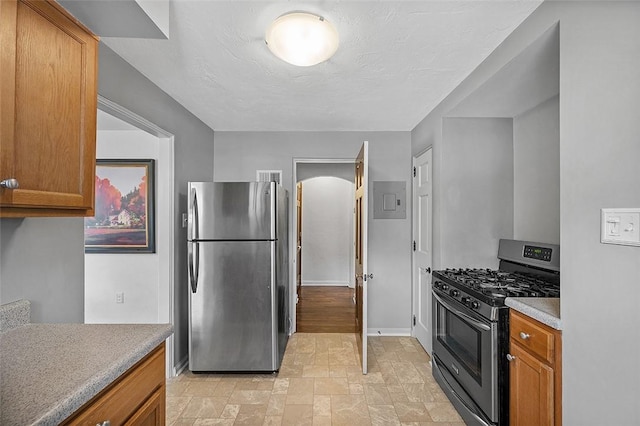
(466, 344)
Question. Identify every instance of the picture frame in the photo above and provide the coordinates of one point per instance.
(124, 214)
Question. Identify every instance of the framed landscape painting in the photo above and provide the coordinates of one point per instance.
(124, 208)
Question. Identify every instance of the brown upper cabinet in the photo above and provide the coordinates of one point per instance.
(48, 106)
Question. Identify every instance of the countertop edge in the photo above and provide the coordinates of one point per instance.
(70, 404)
(545, 310)
(14, 314)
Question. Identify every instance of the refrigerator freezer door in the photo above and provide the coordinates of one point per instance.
(232, 211)
(232, 315)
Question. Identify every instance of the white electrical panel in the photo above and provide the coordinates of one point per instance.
(389, 200)
(620, 226)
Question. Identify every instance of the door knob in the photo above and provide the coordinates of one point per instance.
(10, 183)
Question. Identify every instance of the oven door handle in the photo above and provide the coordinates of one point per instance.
(472, 320)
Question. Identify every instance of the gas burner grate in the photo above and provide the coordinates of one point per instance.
(497, 284)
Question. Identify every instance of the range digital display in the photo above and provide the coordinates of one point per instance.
(538, 253)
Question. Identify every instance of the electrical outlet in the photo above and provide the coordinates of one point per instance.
(120, 297)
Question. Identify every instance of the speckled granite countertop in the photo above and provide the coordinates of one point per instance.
(544, 309)
(14, 314)
(48, 371)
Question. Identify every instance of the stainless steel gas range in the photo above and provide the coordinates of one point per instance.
(471, 326)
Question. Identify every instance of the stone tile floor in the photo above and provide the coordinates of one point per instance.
(319, 383)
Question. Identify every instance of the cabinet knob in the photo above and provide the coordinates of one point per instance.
(9, 183)
(105, 423)
(524, 336)
(510, 357)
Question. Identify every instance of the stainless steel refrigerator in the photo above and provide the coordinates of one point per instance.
(238, 276)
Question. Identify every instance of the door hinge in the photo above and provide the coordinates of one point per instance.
(414, 171)
(414, 246)
(414, 320)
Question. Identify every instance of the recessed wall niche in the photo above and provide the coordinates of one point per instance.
(504, 140)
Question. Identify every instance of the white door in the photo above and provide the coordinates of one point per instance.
(362, 176)
(422, 256)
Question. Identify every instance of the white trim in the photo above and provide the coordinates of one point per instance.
(389, 332)
(167, 147)
(181, 366)
(326, 283)
(292, 226)
(130, 117)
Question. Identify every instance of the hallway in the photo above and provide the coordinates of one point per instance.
(326, 309)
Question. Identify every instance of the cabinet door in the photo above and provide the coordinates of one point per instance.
(137, 398)
(49, 100)
(531, 391)
(152, 413)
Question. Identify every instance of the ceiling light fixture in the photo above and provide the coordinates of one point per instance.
(302, 38)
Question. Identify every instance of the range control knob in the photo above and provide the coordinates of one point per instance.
(444, 287)
(465, 300)
(475, 305)
(454, 293)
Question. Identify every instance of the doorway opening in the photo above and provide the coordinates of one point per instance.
(137, 287)
(324, 240)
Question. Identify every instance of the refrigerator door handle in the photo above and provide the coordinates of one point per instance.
(194, 248)
(194, 231)
(194, 261)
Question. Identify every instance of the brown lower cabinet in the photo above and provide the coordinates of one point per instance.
(136, 398)
(535, 355)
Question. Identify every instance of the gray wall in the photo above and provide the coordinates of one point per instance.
(124, 85)
(536, 169)
(42, 260)
(239, 154)
(477, 190)
(599, 48)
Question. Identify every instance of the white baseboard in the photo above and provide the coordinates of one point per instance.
(182, 365)
(389, 332)
(326, 283)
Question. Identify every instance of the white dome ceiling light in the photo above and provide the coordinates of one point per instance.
(302, 39)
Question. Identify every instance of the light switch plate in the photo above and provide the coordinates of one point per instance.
(620, 226)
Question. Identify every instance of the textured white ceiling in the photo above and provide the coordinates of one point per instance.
(396, 61)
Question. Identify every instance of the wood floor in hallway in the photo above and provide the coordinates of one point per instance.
(326, 309)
